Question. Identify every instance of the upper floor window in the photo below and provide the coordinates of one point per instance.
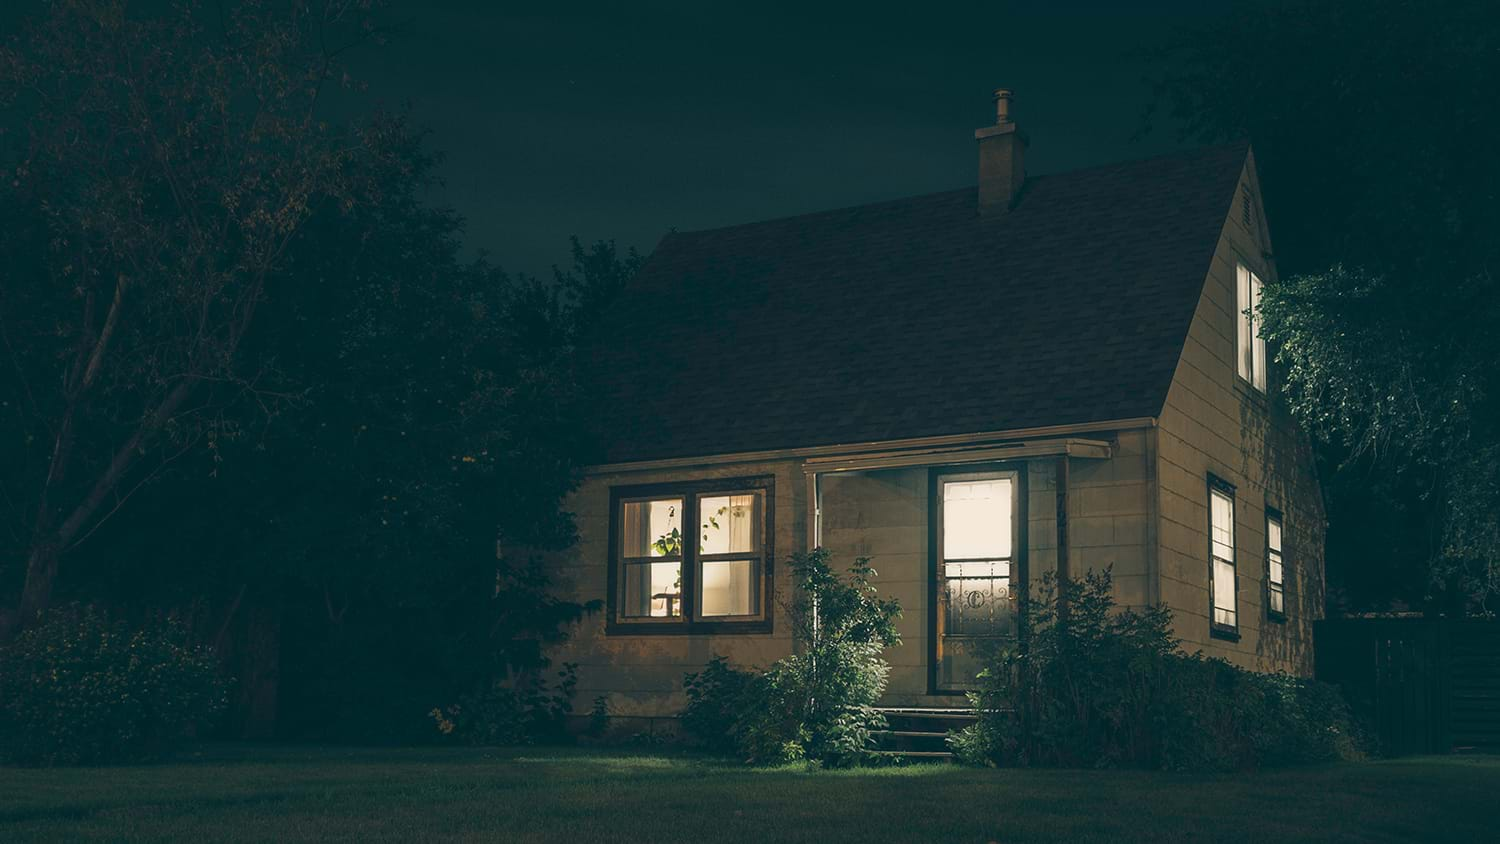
(1275, 568)
(690, 554)
(1250, 348)
(1222, 586)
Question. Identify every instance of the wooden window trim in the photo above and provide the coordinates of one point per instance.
(1278, 616)
(1217, 630)
(689, 623)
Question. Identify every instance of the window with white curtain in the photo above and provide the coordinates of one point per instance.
(1223, 589)
(1275, 567)
(729, 555)
(1250, 348)
(651, 558)
(690, 553)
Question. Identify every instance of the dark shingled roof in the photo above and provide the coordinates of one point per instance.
(915, 317)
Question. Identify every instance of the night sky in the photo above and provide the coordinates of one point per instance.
(624, 120)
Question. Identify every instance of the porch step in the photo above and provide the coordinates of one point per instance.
(909, 733)
(914, 754)
(919, 732)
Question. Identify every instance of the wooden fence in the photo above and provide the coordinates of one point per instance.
(1422, 685)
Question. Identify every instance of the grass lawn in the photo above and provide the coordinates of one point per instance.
(576, 795)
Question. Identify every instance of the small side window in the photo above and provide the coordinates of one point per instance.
(1223, 587)
(1275, 568)
(1250, 348)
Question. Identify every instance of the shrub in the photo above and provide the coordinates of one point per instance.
(1102, 687)
(717, 697)
(818, 703)
(522, 711)
(79, 688)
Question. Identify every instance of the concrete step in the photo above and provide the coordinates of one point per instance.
(914, 754)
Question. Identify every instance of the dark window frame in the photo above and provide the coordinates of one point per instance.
(688, 623)
(1275, 615)
(1218, 630)
(1020, 567)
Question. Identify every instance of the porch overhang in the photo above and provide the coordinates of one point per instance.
(1009, 439)
(955, 456)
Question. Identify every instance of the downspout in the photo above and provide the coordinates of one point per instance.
(1064, 570)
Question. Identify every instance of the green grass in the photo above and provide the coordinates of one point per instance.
(542, 794)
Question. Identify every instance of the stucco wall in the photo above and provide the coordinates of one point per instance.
(1214, 422)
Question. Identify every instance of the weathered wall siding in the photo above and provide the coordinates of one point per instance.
(642, 675)
(1215, 423)
(882, 515)
(1109, 516)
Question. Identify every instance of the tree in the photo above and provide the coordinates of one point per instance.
(158, 165)
(434, 411)
(1371, 124)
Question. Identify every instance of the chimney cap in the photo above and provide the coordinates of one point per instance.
(1003, 96)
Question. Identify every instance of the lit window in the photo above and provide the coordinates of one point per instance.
(1251, 348)
(1275, 567)
(729, 554)
(651, 554)
(976, 547)
(689, 554)
(1222, 586)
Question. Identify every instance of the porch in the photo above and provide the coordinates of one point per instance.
(955, 533)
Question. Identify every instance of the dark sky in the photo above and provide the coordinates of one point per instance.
(623, 120)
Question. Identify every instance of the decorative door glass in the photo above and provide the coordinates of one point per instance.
(976, 549)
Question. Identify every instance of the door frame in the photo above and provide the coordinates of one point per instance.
(1019, 569)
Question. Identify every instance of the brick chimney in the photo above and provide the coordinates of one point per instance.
(1002, 153)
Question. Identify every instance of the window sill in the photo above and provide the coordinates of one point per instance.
(1277, 617)
(687, 628)
(1250, 392)
(1219, 631)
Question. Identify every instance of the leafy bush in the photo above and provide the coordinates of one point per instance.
(509, 713)
(1104, 687)
(818, 703)
(79, 688)
(716, 700)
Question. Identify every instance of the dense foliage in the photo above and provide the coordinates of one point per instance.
(159, 162)
(818, 703)
(1098, 686)
(79, 687)
(717, 698)
(519, 711)
(1370, 130)
(329, 441)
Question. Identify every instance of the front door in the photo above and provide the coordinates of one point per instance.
(978, 570)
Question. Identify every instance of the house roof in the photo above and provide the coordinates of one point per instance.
(915, 317)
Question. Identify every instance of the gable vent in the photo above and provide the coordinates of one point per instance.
(1247, 210)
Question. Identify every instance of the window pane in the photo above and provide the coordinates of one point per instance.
(976, 519)
(653, 590)
(1277, 576)
(984, 568)
(1243, 332)
(1222, 514)
(651, 528)
(1278, 599)
(1258, 345)
(1273, 534)
(977, 606)
(730, 523)
(729, 588)
(1223, 592)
